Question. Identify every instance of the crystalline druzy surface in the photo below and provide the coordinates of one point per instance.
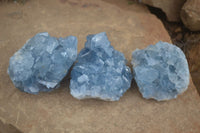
(161, 71)
(42, 62)
(100, 72)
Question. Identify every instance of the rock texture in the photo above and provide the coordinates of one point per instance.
(193, 54)
(160, 71)
(42, 63)
(171, 8)
(194, 61)
(58, 111)
(100, 71)
(190, 15)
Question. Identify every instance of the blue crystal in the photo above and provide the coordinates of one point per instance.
(161, 71)
(100, 71)
(42, 62)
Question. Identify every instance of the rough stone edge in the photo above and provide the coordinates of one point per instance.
(8, 128)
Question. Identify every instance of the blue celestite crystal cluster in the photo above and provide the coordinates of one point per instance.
(42, 62)
(100, 72)
(161, 71)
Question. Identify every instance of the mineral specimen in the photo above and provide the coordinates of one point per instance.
(42, 62)
(100, 72)
(161, 71)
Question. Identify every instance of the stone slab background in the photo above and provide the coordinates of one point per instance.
(128, 27)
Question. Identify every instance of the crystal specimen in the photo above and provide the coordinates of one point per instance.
(161, 71)
(42, 62)
(100, 72)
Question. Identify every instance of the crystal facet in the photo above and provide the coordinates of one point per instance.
(100, 72)
(42, 62)
(161, 71)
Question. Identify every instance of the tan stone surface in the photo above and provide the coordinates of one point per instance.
(171, 8)
(190, 14)
(193, 54)
(58, 111)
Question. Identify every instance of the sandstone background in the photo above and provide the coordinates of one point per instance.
(128, 26)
